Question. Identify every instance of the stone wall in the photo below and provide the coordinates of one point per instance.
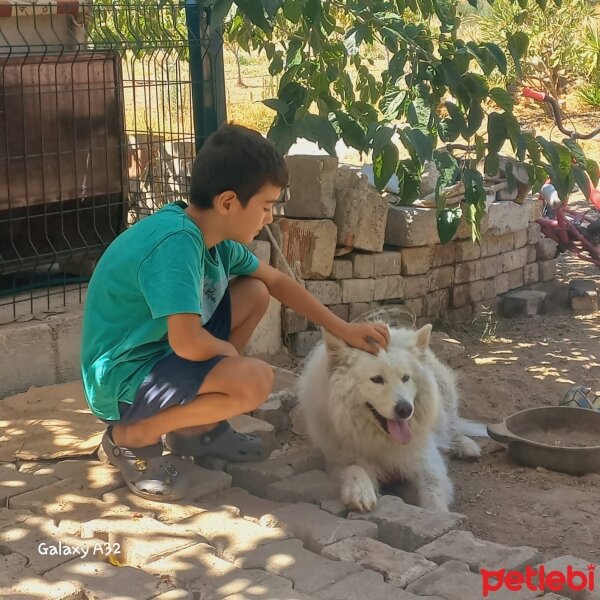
(357, 251)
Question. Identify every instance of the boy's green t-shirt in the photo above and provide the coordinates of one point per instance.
(158, 267)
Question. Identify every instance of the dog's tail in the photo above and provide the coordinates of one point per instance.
(472, 428)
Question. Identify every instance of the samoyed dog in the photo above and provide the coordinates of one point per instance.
(385, 418)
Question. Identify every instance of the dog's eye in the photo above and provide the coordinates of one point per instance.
(405, 378)
(378, 379)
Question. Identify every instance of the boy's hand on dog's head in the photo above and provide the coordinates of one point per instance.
(369, 337)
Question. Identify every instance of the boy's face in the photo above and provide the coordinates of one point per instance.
(249, 220)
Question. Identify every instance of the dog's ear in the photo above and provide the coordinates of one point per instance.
(336, 348)
(423, 335)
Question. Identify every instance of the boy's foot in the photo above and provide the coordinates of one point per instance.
(221, 442)
(146, 471)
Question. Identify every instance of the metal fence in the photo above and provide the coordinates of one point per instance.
(102, 108)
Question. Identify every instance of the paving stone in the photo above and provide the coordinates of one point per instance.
(564, 564)
(141, 540)
(107, 582)
(13, 483)
(313, 486)
(232, 536)
(465, 547)
(9, 517)
(257, 476)
(18, 582)
(365, 584)
(43, 543)
(454, 581)
(406, 526)
(399, 568)
(524, 302)
(99, 478)
(315, 527)
(308, 571)
(249, 506)
(175, 595)
(166, 512)
(266, 592)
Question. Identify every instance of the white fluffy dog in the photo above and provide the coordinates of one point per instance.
(385, 417)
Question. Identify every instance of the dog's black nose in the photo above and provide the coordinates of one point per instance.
(403, 409)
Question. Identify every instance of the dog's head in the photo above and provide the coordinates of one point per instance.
(392, 388)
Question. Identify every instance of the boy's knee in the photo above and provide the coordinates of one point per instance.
(258, 383)
(258, 294)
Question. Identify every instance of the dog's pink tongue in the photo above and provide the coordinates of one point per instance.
(400, 431)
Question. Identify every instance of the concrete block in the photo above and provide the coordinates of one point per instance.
(436, 303)
(535, 207)
(388, 262)
(315, 527)
(388, 287)
(292, 322)
(18, 343)
(302, 343)
(102, 580)
(415, 305)
(266, 338)
(356, 309)
(66, 329)
(507, 217)
(531, 274)
(409, 527)
(327, 292)
(440, 279)
(416, 286)
(531, 254)
(312, 183)
(257, 476)
(526, 302)
(399, 568)
(521, 238)
(358, 290)
(416, 260)
(443, 254)
(312, 486)
(545, 249)
(478, 554)
(534, 233)
(365, 584)
(516, 259)
(342, 269)
(583, 295)
(308, 571)
(363, 264)
(261, 249)
(465, 250)
(454, 580)
(351, 177)
(491, 245)
(516, 278)
(241, 537)
(311, 243)
(361, 219)
(547, 269)
(467, 293)
(409, 226)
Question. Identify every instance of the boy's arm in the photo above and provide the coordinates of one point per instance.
(189, 340)
(290, 293)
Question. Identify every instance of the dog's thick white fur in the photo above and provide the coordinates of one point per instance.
(384, 417)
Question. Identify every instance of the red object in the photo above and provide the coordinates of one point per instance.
(538, 96)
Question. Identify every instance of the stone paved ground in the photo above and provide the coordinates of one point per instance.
(273, 530)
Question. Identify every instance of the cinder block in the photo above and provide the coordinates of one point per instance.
(388, 287)
(516, 259)
(388, 262)
(341, 310)
(441, 278)
(327, 292)
(443, 254)
(516, 278)
(534, 233)
(363, 264)
(436, 303)
(526, 302)
(416, 260)
(416, 286)
(531, 274)
(545, 249)
(531, 254)
(507, 217)
(467, 293)
(547, 269)
(358, 290)
(521, 237)
(312, 183)
(309, 243)
(583, 295)
(342, 269)
(465, 250)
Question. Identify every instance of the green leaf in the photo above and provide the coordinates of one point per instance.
(282, 135)
(502, 98)
(447, 223)
(219, 11)
(476, 86)
(272, 6)
(276, 104)
(391, 103)
(351, 132)
(474, 119)
(418, 113)
(409, 181)
(498, 55)
(382, 137)
(491, 165)
(385, 163)
(497, 132)
(419, 144)
(479, 148)
(447, 130)
(448, 169)
(312, 11)
(457, 117)
(254, 11)
(593, 170)
(318, 129)
(293, 56)
(518, 43)
(576, 152)
(292, 10)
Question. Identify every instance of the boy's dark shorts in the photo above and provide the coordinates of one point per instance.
(174, 380)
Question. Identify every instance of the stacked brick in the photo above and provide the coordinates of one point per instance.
(356, 251)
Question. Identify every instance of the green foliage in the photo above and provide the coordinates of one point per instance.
(552, 41)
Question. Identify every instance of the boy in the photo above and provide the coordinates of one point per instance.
(163, 326)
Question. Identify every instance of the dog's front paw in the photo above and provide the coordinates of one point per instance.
(467, 448)
(358, 491)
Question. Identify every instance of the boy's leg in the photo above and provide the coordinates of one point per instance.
(234, 386)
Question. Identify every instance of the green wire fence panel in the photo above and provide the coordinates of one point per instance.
(102, 109)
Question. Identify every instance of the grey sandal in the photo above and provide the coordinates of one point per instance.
(146, 471)
(221, 442)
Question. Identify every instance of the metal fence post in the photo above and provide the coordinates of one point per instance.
(206, 69)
